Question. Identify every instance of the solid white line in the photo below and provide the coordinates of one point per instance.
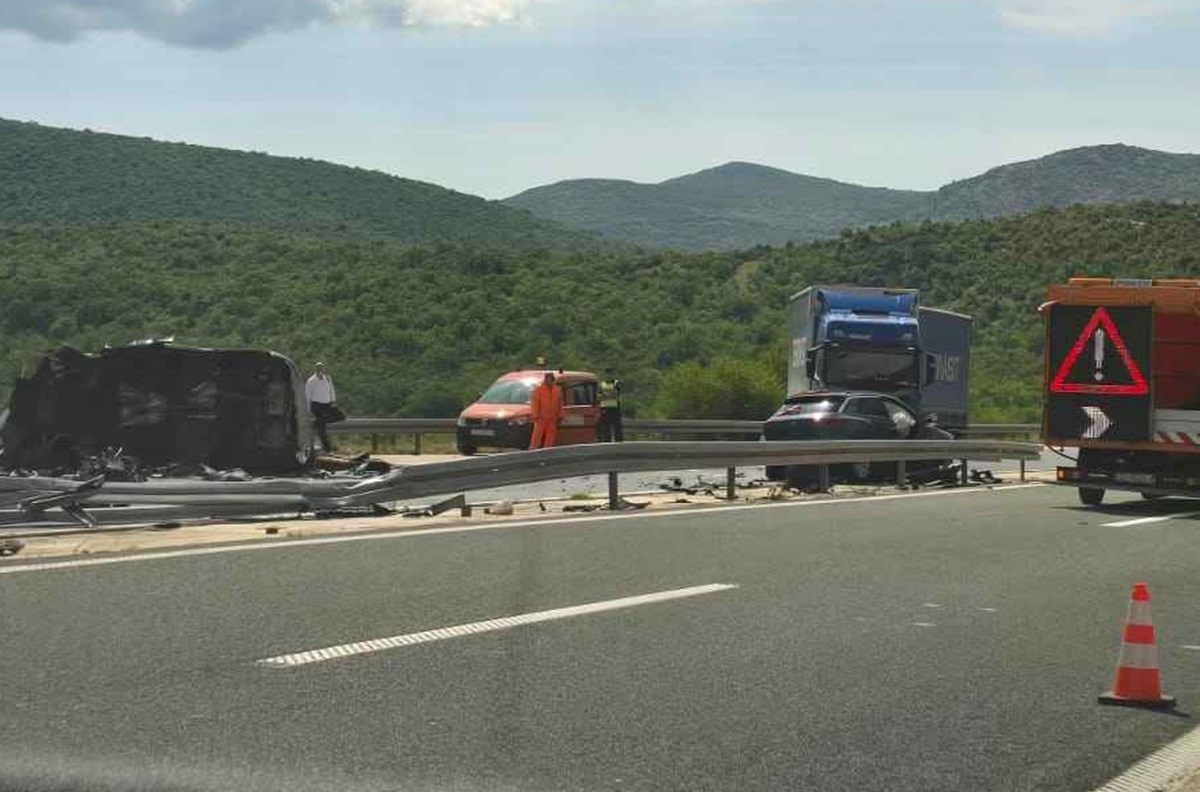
(1148, 520)
(1167, 764)
(490, 625)
(410, 534)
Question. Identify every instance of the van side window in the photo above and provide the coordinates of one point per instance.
(583, 393)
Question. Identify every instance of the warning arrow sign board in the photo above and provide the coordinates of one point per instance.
(1099, 365)
(1108, 370)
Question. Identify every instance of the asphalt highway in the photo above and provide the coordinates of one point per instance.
(931, 641)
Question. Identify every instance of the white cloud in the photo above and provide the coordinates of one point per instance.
(463, 13)
(1081, 17)
(220, 24)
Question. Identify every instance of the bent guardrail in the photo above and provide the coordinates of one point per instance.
(35, 497)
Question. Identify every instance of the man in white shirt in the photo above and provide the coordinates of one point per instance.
(322, 402)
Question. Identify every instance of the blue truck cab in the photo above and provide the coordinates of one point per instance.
(881, 340)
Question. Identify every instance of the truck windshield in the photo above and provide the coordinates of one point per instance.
(870, 369)
(508, 391)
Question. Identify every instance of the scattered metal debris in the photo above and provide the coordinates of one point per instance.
(503, 508)
(583, 507)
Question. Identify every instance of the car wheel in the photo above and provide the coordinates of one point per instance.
(1091, 496)
(802, 477)
(466, 449)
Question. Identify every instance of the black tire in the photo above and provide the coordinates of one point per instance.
(467, 449)
(1091, 496)
(1152, 496)
(802, 477)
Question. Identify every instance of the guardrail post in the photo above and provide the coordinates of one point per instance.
(374, 443)
(823, 478)
(417, 444)
(730, 483)
(1022, 470)
(614, 497)
(901, 474)
(963, 473)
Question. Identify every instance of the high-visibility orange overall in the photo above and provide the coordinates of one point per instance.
(546, 408)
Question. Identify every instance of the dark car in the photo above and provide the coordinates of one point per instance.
(847, 415)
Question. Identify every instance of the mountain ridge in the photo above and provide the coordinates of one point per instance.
(66, 176)
(740, 204)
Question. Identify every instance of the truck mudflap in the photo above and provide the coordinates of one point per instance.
(1147, 483)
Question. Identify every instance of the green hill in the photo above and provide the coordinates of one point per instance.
(734, 205)
(739, 205)
(418, 330)
(64, 177)
(1110, 174)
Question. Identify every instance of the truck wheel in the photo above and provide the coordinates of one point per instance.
(1091, 496)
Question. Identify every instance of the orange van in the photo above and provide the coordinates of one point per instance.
(500, 417)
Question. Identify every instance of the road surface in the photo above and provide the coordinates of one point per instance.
(937, 641)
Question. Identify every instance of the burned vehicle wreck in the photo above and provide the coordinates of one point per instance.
(164, 407)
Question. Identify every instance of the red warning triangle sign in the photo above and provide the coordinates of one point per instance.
(1100, 321)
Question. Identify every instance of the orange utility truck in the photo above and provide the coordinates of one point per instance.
(1123, 384)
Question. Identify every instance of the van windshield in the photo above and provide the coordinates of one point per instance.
(508, 391)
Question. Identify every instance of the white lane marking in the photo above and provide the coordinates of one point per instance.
(1190, 647)
(923, 624)
(930, 605)
(1148, 520)
(1167, 764)
(988, 610)
(410, 534)
(490, 625)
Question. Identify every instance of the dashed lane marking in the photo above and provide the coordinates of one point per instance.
(411, 534)
(1160, 768)
(490, 625)
(1148, 520)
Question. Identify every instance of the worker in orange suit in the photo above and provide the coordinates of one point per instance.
(546, 409)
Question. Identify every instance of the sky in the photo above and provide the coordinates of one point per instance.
(492, 97)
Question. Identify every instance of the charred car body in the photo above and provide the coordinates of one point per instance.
(167, 406)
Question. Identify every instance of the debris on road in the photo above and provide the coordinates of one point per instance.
(504, 508)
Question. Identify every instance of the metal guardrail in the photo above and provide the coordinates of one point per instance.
(179, 499)
(665, 428)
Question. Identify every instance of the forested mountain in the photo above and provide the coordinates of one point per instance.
(735, 205)
(739, 205)
(64, 177)
(418, 330)
(1092, 175)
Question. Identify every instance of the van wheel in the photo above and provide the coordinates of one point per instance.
(1091, 496)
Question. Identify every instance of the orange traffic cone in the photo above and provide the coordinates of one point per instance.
(1136, 683)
